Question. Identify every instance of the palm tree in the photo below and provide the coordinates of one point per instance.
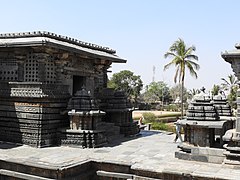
(215, 90)
(183, 58)
(229, 83)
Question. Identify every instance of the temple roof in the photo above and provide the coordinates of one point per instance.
(43, 38)
(227, 55)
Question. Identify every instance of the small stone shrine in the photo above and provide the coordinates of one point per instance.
(118, 111)
(220, 102)
(200, 112)
(232, 137)
(39, 73)
(204, 128)
(84, 120)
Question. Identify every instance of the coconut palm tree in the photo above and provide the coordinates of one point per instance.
(182, 58)
(229, 83)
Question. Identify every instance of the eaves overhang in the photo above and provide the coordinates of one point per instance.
(35, 39)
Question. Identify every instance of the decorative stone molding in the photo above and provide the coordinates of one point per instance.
(33, 90)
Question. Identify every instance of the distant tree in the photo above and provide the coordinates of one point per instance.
(231, 85)
(175, 93)
(157, 91)
(215, 90)
(128, 82)
(232, 97)
(182, 58)
(230, 82)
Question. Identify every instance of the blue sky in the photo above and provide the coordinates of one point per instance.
(141, 31)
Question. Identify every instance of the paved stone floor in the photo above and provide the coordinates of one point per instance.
(153, 151)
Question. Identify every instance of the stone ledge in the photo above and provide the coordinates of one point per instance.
(19, 175)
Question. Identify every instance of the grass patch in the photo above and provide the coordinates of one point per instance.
(156, 124)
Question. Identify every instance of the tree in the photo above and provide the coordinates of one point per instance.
(231, 85)
(182, 58)
(128, 82)
(175, 93)
(215, 89)
(232, 97)
(157, 91)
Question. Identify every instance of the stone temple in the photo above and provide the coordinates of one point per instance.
(208, 119)
(53, 91)
(211, 133)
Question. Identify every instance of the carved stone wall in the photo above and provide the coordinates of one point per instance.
(39, 72)
(31, 113)
(8, 70)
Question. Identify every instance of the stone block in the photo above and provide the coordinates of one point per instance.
(211, 151)
(201, 158)
(216, 159)
(182, 155)
(194, 150)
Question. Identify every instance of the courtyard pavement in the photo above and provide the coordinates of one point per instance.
(151, 151)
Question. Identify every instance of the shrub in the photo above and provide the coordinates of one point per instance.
(172, 107)
(162, 126)
(159, 126)
(149, 117)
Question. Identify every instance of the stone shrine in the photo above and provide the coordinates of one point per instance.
(204, 128)
(232, 137)
(39, 73)
(118, 110)
(84, 121)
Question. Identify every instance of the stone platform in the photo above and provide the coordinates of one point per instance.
(148, 155)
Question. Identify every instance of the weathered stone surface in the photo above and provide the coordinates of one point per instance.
(39, 73)
(201, 108)
(118, 111)
(220, 102)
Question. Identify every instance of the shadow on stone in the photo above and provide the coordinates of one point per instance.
(5, 145)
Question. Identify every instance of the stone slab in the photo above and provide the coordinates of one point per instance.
(151, 152)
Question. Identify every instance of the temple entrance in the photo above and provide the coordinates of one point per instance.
(78, 83)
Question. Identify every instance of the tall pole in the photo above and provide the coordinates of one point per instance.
(162, 91)
(154, 70)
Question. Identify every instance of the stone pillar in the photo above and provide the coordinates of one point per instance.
(232, 137)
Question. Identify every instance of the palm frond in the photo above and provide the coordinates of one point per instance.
(191, 57)
(174, 62)
(168, 65)
(192, 72)
(193, 64)
(169, 54)
(225, 82)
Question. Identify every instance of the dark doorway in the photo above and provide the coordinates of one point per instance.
(78, 83)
